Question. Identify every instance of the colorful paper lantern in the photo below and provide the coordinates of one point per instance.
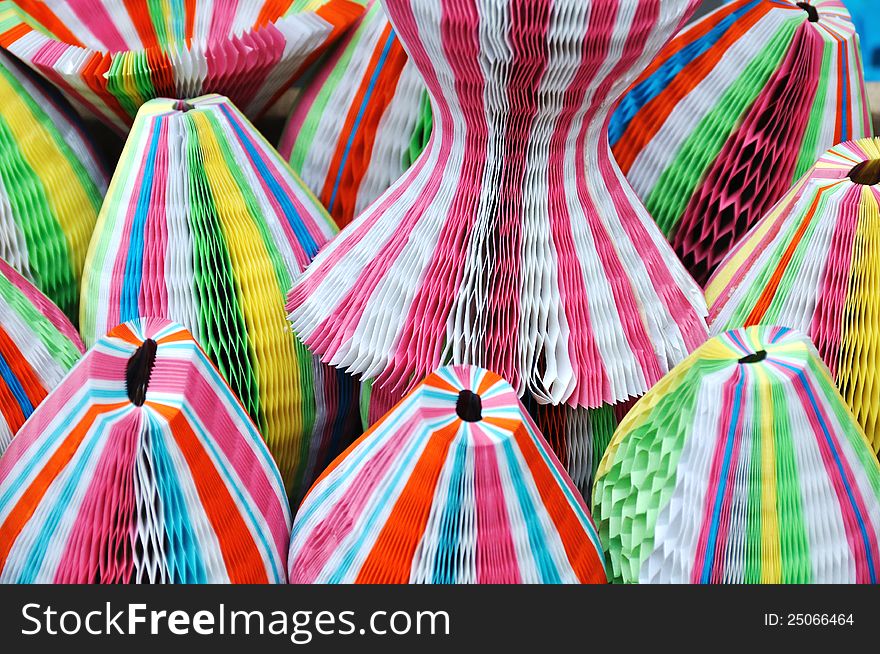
(811, 263)
(38, 345)
(206, 225)
(455, 485)
(513, 243)
(110, 57)
(743, 465)
(735, 110)
(142, 467)
(361, 122)
(51, 185)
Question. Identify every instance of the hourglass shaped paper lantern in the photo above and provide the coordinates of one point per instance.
(514, 242)
(38, 345)
(812, 264)
(109, 57)
(51, 185)
(361, 122)
(142, 467)
(455, 485)
(742, 466)
(205, 224)
(735, 110)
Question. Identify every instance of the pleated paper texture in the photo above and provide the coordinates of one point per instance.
(38, 345)
(813, 263)
(734, 111)
(743, 465)
(142, 467)
(361, 122)
(51, 185)
(514, 242)
(109, 57)
(205, 224)
(578, 436)
(454, 485)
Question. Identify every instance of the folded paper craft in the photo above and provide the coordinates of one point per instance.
(735, 110)
(361, 122)
(812, 264)
(514, 242)
(455, 485)
(142, 467)
(109, 56)
(38, 345)
(743, 465)
(206, 225)
(51, 185)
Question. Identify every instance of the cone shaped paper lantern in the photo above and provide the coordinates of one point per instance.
(38, 345)
(812, 263)
(454, 485)
(514, 242)
(733, 112)
(205, 224)
(742, 466)
(109, 56)
(51, 185)
(141, 467)
(360, 124)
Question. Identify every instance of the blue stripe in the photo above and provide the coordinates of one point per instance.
(361, 110)
(15, 387)
(446, 559)
(653, 86)
(134, 260)
(844, 66)
(287, 207)
(709, 559)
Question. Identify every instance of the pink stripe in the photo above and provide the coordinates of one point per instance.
(339, 521)
(95, 17)
(221, 20)
(728, 393)
(100, 548)
(849, 509)
(827, 321)
(496, 559)
(43, 304)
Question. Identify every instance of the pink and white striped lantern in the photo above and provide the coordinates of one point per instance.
(514, 243)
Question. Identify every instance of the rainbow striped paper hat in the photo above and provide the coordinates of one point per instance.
(205, 224)
(454, 485)
(813, 263)
(142, 467)
(51, 185)
(361, 122)
(110, 57)
(38, 345)
(518, 247)
(742, 466)
(735, 110)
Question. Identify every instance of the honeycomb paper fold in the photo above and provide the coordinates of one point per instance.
(733, 112)
(109, 57)
(454, 485)
(743, 465)
(205, 224)
(142, 467)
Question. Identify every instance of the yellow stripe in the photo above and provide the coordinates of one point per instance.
(70, 203)
(771, 552)
(262, 302)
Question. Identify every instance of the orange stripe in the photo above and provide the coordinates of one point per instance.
(489, 380)
(47, 18)
(390, 559)
(580, 551)
(22, 370)
(271, 11)
(650, 118)
(240, 553)
(125, 333)
(190, 26)
(31, 498)
(140, 17)
(13, 34)
(94, 74)
(358, 157)
(769, 291)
